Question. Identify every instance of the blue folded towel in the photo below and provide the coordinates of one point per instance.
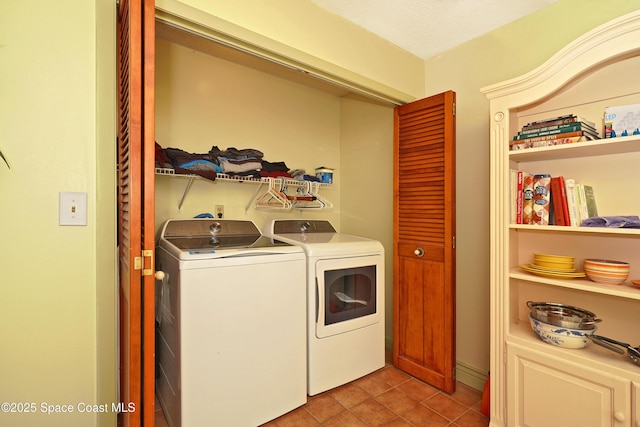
(630, 221)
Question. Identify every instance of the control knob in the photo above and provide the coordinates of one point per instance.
(305, 226)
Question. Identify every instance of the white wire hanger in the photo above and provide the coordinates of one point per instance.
(308, 197)
(274, 198)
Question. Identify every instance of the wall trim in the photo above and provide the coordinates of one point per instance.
(471, 376)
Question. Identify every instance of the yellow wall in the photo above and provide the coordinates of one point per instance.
(304, 32)
(366, 170)
(504, 53)
(203, 101)
(53, 276)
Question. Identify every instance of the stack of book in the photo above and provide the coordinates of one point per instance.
(554, 131)
(540, 199)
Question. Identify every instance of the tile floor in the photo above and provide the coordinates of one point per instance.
(387, 397)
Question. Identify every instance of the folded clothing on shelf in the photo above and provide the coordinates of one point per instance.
(622, 221)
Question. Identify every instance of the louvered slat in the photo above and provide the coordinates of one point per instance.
(420, 169)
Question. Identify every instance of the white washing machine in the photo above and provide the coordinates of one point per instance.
(345, 301)
(231, 324)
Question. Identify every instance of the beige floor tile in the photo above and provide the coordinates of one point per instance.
(349, 395)
(423, 416)
(397, 401)
(373, 413)
(323, 407)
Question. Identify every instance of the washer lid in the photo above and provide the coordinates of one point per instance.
(224, 242)
(207, 227)
(217, 238)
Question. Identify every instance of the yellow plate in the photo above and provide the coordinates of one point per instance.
(553, 258)
(552, 274)
(552, 270)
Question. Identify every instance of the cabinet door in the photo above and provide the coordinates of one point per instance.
(424, 232)
(547, 392)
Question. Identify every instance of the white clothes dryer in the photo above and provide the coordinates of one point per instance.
(231, 334)
(345, 301)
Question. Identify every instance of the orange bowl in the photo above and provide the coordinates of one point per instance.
(606, 271)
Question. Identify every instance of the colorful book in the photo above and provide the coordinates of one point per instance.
(519, 196)
(582, 203)
(527, 198)
(541, 186)
(563, 197)
(561, 129)
(513, 177)
(571, 126)
(550, 140)
(592, 209)
(558, 121)
(557, 203)
(572, 204)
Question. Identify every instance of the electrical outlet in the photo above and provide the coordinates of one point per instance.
(219, 211)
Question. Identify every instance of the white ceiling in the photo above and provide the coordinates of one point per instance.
(429, 27)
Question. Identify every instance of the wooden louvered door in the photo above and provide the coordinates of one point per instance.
(424, 240)
(136, 211)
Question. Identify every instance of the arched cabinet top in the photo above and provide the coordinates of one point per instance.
(609, 42)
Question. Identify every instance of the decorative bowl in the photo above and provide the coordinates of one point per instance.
(559, 336)
(606, 271)
(562, 315)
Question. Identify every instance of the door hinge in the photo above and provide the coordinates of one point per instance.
(144, 263)
(453, 243)
(454, 109)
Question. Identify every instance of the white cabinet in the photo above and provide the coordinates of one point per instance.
(547, 391)
(635, 413)
(534, 383)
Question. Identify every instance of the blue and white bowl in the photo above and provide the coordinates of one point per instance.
(561, 336)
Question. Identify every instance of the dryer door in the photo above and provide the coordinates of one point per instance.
(349, 294)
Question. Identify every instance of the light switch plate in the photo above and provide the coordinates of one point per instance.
(73, 208)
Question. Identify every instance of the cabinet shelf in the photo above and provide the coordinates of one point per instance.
(231, 178)
(592, 355)
(599, 147)
(625, 290)
(289, 182)
(632, 232)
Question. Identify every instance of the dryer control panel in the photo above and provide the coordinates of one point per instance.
(288, 226)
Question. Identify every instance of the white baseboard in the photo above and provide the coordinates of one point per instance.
(471, 376)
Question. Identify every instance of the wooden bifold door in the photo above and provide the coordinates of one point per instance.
(136, 212)
(424, 240)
